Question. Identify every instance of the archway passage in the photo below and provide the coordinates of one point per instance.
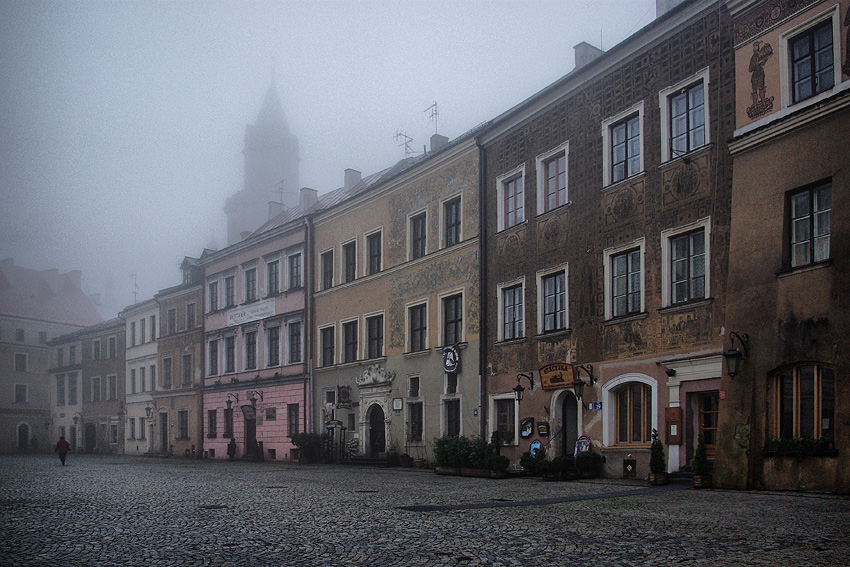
(377, 436)
(23, 437)
(569, 423)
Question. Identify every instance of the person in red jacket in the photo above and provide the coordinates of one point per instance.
(62, 447)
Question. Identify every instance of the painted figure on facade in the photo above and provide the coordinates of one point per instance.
(761, 104)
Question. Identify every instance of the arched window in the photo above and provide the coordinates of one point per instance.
(633, 413)
(803, 402)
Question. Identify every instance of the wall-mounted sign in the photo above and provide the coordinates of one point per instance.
(582, 444)
(557, 375)
(597, 406)
(253, 312)
(526, 427)
(397, 404)
(451, 359)
(535, 446)
(343, 399)
(543, 429)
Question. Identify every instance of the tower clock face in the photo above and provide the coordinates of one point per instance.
(451, 359)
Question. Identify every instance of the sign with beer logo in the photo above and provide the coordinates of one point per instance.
(556, 375)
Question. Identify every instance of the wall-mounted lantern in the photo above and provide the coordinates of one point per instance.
(735, 355)
(519, 389)
(579, 384)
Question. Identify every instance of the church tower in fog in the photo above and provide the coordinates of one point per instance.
(271, 171)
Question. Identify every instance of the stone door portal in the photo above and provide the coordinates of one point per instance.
(377, 437)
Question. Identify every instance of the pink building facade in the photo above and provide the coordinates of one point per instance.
(256, 381)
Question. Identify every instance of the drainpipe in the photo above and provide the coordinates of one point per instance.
(482, 293)
(308, 298)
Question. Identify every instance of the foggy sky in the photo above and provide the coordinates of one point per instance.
(122, 123)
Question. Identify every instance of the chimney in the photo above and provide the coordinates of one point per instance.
(352, 178)
(438, 142)
(664, 6)
(275, 209)
(308, 199)
(585, 53)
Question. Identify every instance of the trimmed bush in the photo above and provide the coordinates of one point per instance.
(588, 464)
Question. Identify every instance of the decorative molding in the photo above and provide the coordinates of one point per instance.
(375, 375)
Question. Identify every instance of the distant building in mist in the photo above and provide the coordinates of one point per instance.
(36, 307)
(271, 171)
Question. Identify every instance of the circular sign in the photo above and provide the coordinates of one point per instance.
(451, 359)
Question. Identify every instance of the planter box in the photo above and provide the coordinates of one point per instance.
(702, 481)
(658, 479)
(817, 474)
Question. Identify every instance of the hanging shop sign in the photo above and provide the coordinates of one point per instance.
(557, 375)
(451, 359)
(543, 429)
(526, 427)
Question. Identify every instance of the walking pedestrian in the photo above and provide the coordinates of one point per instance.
(231, 449)
(62, 447)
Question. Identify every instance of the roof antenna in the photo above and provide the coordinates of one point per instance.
(406, 140)
(135, 287)
(434, 115)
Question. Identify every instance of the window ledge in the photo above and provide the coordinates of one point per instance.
(686, 306)
(806, 268)
(626, 319)
(626, 181)
(511, 341)
(513, 227)
(686, 158)
(554, 334)
(416, 353)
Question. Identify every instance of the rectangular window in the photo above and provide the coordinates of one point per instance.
(415, 421)
(212, 293)
(349, 253)
(153, 328)
(230, 354)
(250, 350)
(72, 389)
(625, 148)
(294, 330)
(451, 220)
(60, 357)
(112, 344)
(190, 316)
(273, 345)
(553, 175)
(142, 337)
(271, 414)
(20, 362)
(687, 120)
(554, 302)
(141, 428)
(811, 212)
(373, 244)
(418, 325)
(273, 278)
(250, 285)
(42, 337)
(453, 319)
(172, 321)
(20, 393)
(350, 338)
(413, 386)
(96, 350)
(95, 389)
(506, 420)
(512, 202)
(327, 346)
(20, 335)
(212, 358)
(626, 283)
(418, 236)
(142, 386)
(153, 377)
(804, 403)
(132, 333)
(294, 271)
(327, 262)
(451, 409)
(167, 372)
(132, 381)
(188, 369)
(812, 65)
(229, 291)
(182, 424)
(113, 433)
(60, 390)
(375, 336)
(292, 418)
(132, 433)
(687, 266)
(633, 413)
(112, 384)
(72, 355)
(513, 322)
(212, 425)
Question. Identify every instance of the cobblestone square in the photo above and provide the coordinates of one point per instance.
(124, 511)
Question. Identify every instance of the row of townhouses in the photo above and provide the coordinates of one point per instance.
(647, 244)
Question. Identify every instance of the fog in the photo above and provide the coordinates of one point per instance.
(122, 123)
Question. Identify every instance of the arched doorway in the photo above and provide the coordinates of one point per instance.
(569, 423)
(377, 435)
(23, 437)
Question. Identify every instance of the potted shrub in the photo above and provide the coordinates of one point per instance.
(498, 465)
(657, 468)
(549, 470)
(588, 464)
(568, 468)
(702, 471)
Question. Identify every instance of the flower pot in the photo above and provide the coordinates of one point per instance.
(658, 479)
(419, 463)
(702, 481)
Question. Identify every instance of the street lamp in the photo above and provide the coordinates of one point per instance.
(229, 402)
(77, 417)
(149, 409)
(253, 395)
(579, 384)
(734, 355)
(518, 389)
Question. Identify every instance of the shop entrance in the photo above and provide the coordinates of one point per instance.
(569, 423)
(377, 438)
(708, 404)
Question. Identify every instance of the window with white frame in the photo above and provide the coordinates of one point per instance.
(72, 389)
(349, 261)
(230, 354)
(250, 282)
(190, 316)
(294, 270)
(552, 313)
(349, 338)
(187, 369)
(182, 424)
(167, 372)
(172, 321)
(132, 381)
(273, 345)
(142, 331)
(373, 251)
(510, 201)
(327, 266)
(212, 296)
(684, 116)
(249, 338)
(685, 259)
(143, 379)
(808, 56)
(230, 291)
(629, 410)
(552, 179)
(453, 319)
(624, 288)
(417, 325)
(60, 390)
(375, 336)
(622, 140)
(451, 417)
(96, 391)
(503, 419)
(810, 212)
(327, 337)
(112, 387)
(418, 235)
(212, 357)
(294, 341)
(415, 421)
(452, 222)
(511, 311)
(272, 277)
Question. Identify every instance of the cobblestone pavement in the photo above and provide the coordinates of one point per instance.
(154, 512)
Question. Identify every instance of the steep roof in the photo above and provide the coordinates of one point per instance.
(45, 296)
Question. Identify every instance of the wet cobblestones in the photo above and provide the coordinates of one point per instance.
(133, 511)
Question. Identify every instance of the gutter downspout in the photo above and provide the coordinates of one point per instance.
(482, 293)
(308, 297)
